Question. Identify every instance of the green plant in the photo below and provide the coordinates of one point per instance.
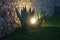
(25, 16)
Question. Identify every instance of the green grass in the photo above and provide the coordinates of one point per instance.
(53, 20)
(45, 33)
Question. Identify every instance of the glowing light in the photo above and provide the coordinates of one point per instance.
(33, 20)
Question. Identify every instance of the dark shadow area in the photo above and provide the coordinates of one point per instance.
(57, 10)
(44, 33)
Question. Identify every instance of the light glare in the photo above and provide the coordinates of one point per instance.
(33, 20)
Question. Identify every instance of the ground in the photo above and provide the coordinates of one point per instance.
(53, 21)
(46, 33)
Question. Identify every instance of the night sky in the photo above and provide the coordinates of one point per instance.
(58, 3)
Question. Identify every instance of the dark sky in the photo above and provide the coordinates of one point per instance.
(58, 3)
